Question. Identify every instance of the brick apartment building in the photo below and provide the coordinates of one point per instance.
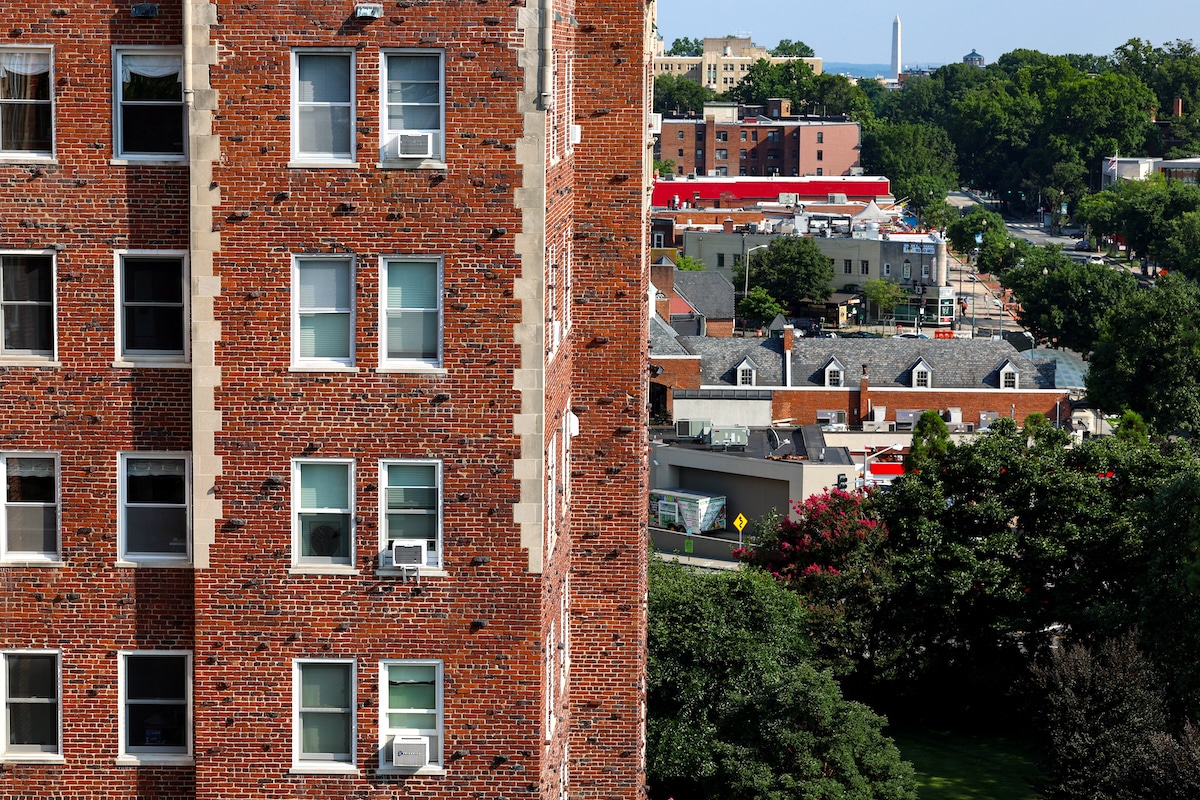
(729, 141)
(323, 377)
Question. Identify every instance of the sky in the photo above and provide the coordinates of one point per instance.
(935, 31)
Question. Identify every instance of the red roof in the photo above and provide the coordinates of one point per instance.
(706, 191)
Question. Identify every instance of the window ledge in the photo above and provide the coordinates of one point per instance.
(16, 159)
(393, 772)
(413, 369)
(32, 758)
(323, 769)
(161, 563)
(424, 572)
(322, 569)
(29, 361)
(322, 165)
(151, 759)
(12, 561)
(157, 363)
(412, 163)
(322, 368)
(150, 161)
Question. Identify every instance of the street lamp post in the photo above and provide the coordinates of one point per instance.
(746, 288)
(974, 292)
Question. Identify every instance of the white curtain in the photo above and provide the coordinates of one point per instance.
(28, 63)
(150, 66)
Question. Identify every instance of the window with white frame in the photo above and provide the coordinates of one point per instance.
(324, 722)
(323, 312)
(412, 494)
(553, 111)
(155, 506)
(149, 104)
(921, 378)
(864, 267)
(323, 106)
(887, 270)
(156, 704)
(27, 304)
(833, 377)
(412, 314)
(746, 376)
(30, 507)
(323, 511)
(26, 103)
(413, 108)
(153, 316)
(1010, 380)
(411, 711)
(32, 722)
(847, 266)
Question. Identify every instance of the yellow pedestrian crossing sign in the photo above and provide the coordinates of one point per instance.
(740, 522)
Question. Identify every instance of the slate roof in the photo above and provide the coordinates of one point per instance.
(953, 363)
(710, 293)
(663, 339)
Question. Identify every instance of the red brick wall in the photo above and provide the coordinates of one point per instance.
(803, 404)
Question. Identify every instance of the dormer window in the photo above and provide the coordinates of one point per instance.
(746, 373)
(835, 373)
(1010, 377)
(922, 375)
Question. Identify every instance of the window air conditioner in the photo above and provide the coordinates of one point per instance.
(411, 145)
(408, 554)
(410, 752)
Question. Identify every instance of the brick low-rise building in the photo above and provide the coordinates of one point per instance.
(324, 385)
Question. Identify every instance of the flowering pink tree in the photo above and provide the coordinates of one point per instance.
(833, 555)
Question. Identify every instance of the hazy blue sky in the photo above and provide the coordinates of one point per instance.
(935, 31)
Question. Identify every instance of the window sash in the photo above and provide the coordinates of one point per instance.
(156, 698)
(411, 704)
(325, 711)
(324, 98)
(31, 506)
(27, 304)
(153, 310)
(26, 105)
(31, 703)
(155, 506)
(150, 108)
(324, 310)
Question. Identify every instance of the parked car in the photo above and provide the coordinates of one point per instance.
(861, 335)
(1083, 244)
(911, 336)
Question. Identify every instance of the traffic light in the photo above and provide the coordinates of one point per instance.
(842, 483)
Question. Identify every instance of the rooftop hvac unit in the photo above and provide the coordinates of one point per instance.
(726, 438)
(692, 428)
(410, 752)
(410, 145)
(789, 198)
(837, 199)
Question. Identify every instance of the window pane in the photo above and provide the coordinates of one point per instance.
(412, 526)
(412, 67)
(32, 676)
(30, 480)
(324, 486)
(153, 280)
(324, 129)
(156, 530)
(413, 334)
(324, 284)
(153, 480)
(325, 536)
(413, 721)
(156, 725)
(32, 529)
(28, 328)
(412, 285)
(152, 128)
(28, 278)
(412, 695)
(325, 686)
(25, 127)
(411, 497)
(325, 736)
(155, 677)
(33, 724)
(154, 328)
(413, 118)
(323, 78)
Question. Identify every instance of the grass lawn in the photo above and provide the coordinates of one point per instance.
(958, 766)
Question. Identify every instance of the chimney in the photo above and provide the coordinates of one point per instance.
(864, 394)
(727, 225)
(789, 336)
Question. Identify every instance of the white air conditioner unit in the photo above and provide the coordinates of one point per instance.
(654, 123)
(410, 752)
(368, 11)
(410, 145)
(408, 553)
(576, 134)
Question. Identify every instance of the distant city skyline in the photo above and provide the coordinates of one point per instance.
(936, 31)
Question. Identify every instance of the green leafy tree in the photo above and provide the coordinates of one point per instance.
(790, 79)
(736, 711)
(758, 307)
(990, 226)
(666, 167)
(1147, 358)
(884, 294)
(673, 93)
(918, 159)
(1181, 251)
(834, 95)
(930, 441)
(792, 270)
(798, 49)
(831, 553)
(684, 46)
(1064, 301)
(688, 264)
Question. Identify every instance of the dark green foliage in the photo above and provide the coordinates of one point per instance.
(737, 712)
(758, 306)
(918, 159)
(930, 442)
(787, 47)
(676, 94)
(792, 270)
(684, 46)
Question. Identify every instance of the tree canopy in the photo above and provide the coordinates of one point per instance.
(792, 270)
(675, 93)
(798, 49)
(684, 46)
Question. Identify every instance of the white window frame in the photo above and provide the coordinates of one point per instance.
(152, 356)
(119, 103)
(1007, 372)
(31, 155)
(21, 355)
(332, 764)
(434, 557)
(437, 762)
(833, 377)
(323, 363)
(887, 270)
(747, 376)
(30, 752)
(922, 378)
(322, 563)
(439, 134)
(386, 264)
(329, 159)
(30, 556)
(133, 558)
(144, 754)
